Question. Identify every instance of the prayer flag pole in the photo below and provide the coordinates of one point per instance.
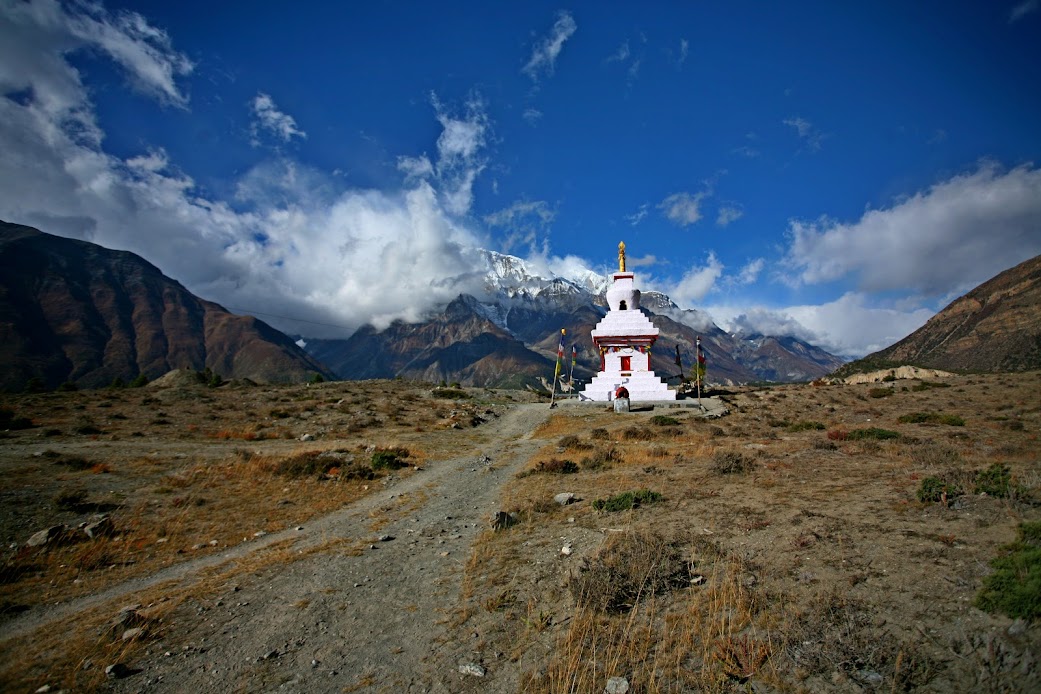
(556, 369)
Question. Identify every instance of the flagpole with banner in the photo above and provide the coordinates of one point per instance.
(699, 370)
(556, 369)
(571, 371)
(679, 363)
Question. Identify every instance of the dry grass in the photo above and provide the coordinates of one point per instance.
(815, 568)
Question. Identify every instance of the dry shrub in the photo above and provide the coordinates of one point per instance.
(838, 632)
(629, 567)
(701, 639)
(637, 434)
(555, 467)
(573, 443)
(599, 434)
(934, 455)
(731, 463)
(601, 459)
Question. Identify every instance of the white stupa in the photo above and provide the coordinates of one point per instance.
(624, 338)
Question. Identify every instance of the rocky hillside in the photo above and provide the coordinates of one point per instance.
(995, 327)
(74, 311)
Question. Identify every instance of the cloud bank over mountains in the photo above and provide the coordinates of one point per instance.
(308, 254)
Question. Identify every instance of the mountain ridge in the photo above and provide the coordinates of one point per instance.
(994, 327)
(73, 311)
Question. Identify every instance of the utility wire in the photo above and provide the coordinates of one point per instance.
(275, 315)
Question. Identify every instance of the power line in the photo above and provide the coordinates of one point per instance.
(275, 315)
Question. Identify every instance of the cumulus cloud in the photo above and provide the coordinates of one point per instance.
(760, 321)
(544, 53)
(956, 233)
(750, 272)
(37, 37)
(850, 327)
(294, 242)
(728, 214)
(1023, 9)
(807, 132)
(460, 146)
(267, 116)
(696, 282)
(682, 208)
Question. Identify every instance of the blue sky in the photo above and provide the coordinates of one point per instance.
(831, 171)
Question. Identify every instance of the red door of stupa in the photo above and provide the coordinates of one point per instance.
(627, 363)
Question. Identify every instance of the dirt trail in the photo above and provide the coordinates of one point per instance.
(339, 619)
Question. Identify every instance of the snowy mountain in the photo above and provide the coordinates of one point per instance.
(509, 336)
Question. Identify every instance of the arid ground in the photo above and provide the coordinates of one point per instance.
(339, 537)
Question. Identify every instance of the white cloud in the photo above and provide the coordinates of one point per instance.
(415, 167)
(522, 212)
(849, 327)
(294, 243)
(532, 116)
(807, 132)
(762, 321)
(684, 50)
(750, 272)
(682, 208)
(728, 214)
(459, 151)
(544, 54)
(1023, 9)
(37, 37)
(638, 216)
(696, 283)
(268, 117)
(620, 55)
(962, 230)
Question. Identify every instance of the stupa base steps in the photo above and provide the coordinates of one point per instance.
(642, 387)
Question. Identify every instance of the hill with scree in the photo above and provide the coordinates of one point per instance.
(996, 327)
(74, 311)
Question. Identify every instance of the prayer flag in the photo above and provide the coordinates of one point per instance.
(560, 355)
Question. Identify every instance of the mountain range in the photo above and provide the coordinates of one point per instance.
(509, 336)
(73, 311)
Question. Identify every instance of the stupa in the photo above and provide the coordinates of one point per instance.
(624, 338)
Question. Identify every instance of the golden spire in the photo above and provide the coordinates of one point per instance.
(621, 256)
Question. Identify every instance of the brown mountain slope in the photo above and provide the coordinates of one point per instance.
(995, 327)
(74, 311)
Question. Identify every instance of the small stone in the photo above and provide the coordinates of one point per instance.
(617, 685)
(54, 533)
(307, 437)
(565, 498)
(869, 677)
(260, 533)
(99, 526)
(472, 669)
(213, 543)
(566, 550)
(134, 633)
(504, 520)
(44, 688)
(385, 538)
(117, 671)
(1017, 627)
